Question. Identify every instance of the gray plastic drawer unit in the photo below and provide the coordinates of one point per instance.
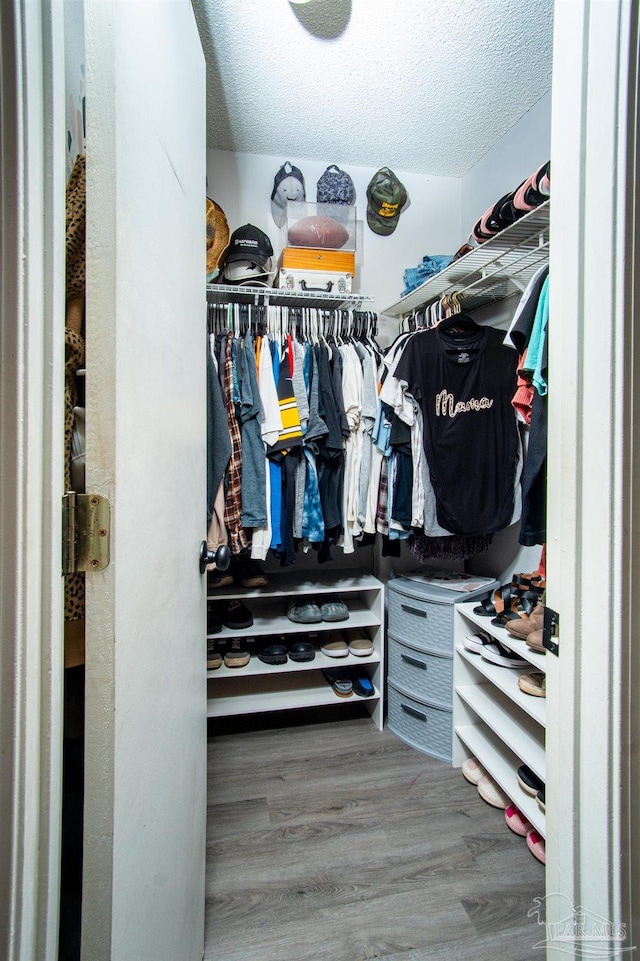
(420, 673)
(420, 669)
(427, 728)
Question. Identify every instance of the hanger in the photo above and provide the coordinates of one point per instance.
(459, 326)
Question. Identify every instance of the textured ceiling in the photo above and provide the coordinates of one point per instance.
(422, 85)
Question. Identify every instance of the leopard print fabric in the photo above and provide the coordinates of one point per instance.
(76, 228)
(74, 347)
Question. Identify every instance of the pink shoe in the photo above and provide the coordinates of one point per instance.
(535, 843)
(517, 821)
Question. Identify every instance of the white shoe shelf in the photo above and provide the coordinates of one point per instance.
(494, 721)
(260, 687)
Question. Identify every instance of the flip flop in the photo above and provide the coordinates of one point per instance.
(340, 681)
(362, 685)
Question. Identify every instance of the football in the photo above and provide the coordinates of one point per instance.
(318, 232)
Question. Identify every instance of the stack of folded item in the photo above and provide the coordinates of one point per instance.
(428, 267)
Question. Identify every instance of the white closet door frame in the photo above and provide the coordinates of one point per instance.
(592, 765)
(32, 178)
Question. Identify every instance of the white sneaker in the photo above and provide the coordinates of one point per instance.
(497, 653)
(334, 645)
(475, 642)
(359, 644)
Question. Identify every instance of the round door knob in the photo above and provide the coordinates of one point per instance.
(220, 557)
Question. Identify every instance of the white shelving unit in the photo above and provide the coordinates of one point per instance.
(260, 687)
(494, 720)
(496, 269)
(231, 293)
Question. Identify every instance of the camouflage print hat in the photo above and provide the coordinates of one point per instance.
(386, 197)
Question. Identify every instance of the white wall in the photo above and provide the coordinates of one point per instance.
(503, 168)
(430, 224)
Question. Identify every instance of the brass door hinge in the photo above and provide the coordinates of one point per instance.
(85, 532)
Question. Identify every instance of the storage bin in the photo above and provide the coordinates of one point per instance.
(424, 675)
(426, 728)
(428, 626)
(421, 614)
(309, 258)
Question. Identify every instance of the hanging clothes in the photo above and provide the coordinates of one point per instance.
(254, 502)
(463, 378)
(530, 400)
(238, 538)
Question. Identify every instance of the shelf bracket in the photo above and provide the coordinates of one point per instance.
(551, 631)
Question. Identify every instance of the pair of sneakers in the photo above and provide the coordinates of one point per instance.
(309, 610)
(233, 653)
(243, 572)
(232, 614)
(355, 642)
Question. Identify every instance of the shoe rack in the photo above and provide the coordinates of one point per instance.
(493, 720)
(260, 687)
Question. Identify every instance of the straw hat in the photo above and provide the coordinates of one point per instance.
(217, 237)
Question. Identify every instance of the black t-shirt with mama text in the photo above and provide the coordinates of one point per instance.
(464, 380)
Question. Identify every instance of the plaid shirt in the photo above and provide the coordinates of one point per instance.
(382, 521)
(238, 537)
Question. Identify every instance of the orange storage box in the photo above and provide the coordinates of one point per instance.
(315, 258)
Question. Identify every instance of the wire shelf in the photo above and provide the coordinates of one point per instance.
(497, 269)
(233, 294)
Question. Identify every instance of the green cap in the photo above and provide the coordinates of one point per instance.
(386, 197)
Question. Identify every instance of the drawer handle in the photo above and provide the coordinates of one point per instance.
(414, 662)
(413, 610)
(412, 711)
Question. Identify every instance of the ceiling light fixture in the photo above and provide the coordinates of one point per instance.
(299, 2)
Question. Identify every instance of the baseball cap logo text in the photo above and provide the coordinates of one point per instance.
(388, 210)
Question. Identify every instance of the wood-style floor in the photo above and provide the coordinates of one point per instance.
(331, 841)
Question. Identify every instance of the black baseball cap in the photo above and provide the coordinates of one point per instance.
(386, 197)
(249, 243)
